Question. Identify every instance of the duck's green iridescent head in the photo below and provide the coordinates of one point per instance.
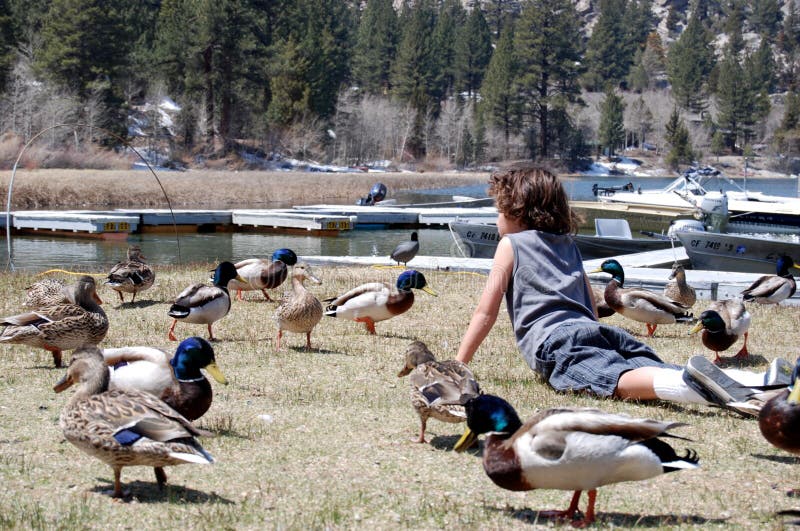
(487, 414)
(286, 256)
(613, 268)
(224, 273)
(783, 264)
(711, 321)
(413, 279)
(193, 354)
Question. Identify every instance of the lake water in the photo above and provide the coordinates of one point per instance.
(36, 253)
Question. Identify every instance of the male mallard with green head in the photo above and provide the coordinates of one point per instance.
(376, 301)
(124, 428)
(569, 449)
(640, 304)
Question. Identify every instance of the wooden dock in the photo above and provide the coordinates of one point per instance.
(105, 225)
(309, 219)
(289, 221)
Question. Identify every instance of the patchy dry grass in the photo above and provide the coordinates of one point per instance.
(39, 189)
(322, 439)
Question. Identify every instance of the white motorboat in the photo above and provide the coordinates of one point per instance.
(749, 211)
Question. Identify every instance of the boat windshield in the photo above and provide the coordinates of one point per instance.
(697, 181)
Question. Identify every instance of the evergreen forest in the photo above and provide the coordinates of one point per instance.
(454, 83)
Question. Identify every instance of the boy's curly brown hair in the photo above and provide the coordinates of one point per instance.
(533, 194)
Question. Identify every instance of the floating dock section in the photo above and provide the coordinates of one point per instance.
(105, 225)
(406, 217)
(186, 220)
(289, 221)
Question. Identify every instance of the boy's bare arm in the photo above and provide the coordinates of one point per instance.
(485, 314)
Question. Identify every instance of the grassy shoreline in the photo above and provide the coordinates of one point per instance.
(323, 438)
(40, 189)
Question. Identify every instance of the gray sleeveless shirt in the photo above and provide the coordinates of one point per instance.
(547, 288)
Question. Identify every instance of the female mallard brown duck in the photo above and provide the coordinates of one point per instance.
(722, 324)
(177, 381)
(640, 304)
(263, 274)
(132, 275)
(434, 384)
(203, 304)
(375, 301)
(779, 418)
(62, 326)
(124, 428)
(46, 292)
(677, 289)
(772, 289)
(569, 449)
(300, 311)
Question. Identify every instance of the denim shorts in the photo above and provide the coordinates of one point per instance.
(590, 356)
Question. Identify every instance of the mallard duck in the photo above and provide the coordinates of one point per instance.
(62, 326)
(46, 292)
(779, 418)
(722, 324)
(569, 449)
(263, 274)
(301, 310)
(772, 289)
(124, 428)
(132, 275)
(640, 304)
(406, 251)
(203, 304)
(603, 309)
(375, 301)
(177, 381)
(677, 289)
(433, 382)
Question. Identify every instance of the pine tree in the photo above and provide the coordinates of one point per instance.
(415, 74)
(85, 46)
(734, 102)
(787, 137)
(449, 23)
(499, 101)
(611, 132)
(649, 65)
(500, 14)
(8, 42)
(689, 63)
(548, 53)
(733, 27)
(678, 138)
(608, 54)
(473, 52)
(672, 18)
(375, 47)
(766, 16)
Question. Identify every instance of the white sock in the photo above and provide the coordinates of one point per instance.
(746, 378)
(668, 385)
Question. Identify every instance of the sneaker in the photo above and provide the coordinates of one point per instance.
(710, 382)
(779, 373)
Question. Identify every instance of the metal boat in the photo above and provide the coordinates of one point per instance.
(749, 211)
(612, 238)
(735, 252)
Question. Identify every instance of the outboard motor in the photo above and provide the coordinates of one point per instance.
(685, 225)
(376, 193)
(714, 211)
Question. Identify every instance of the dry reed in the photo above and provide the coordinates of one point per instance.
(41, 189)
